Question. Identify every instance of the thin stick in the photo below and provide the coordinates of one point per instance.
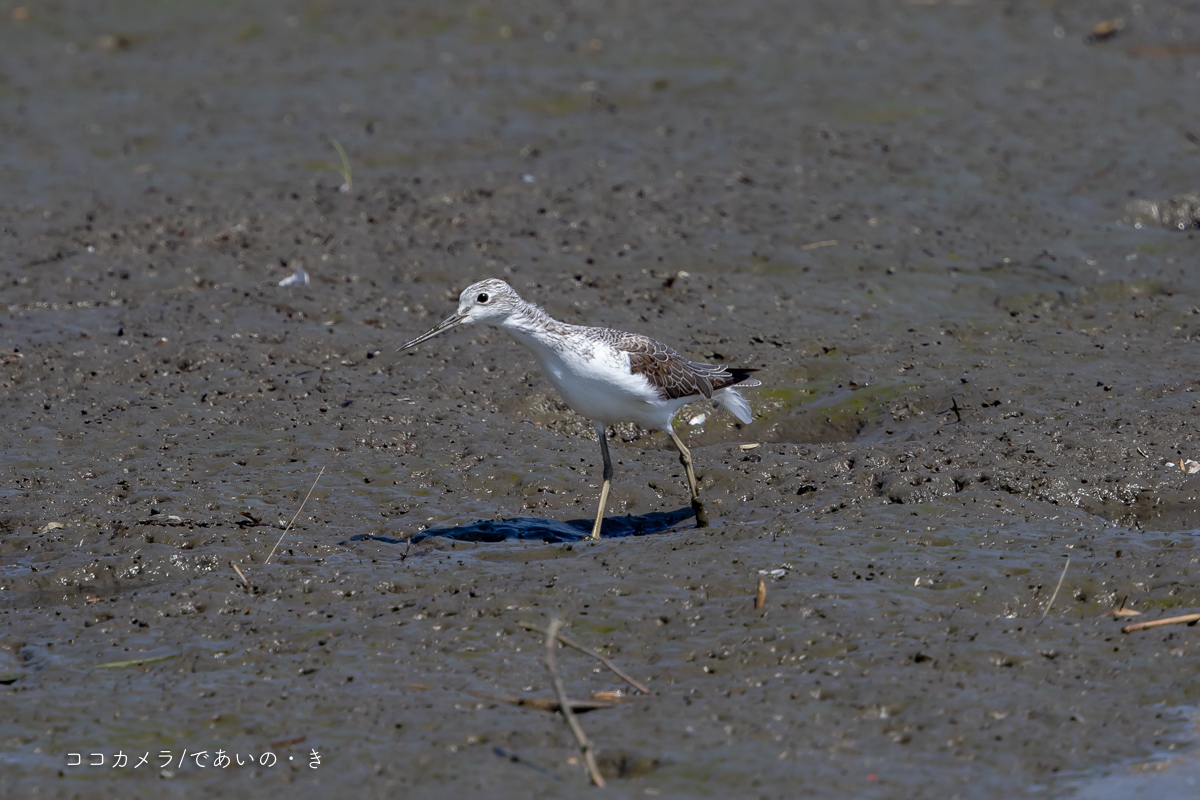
(760, 599)
(298, 510)
(564, 705)
(1189, 619)
(569, 642)
(1061, 578)
(240, 575)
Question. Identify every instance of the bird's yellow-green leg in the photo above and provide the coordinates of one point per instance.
(602, 430)
(685, 458)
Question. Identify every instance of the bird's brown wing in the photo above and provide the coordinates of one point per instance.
(672, 374)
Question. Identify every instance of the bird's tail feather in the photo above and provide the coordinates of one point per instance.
(734, 403)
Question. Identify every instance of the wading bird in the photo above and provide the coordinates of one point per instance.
(605, 375)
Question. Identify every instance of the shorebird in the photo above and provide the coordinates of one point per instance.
(605, 375)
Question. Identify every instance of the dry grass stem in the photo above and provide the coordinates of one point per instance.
(569, 642)
(298, 510)
(760, 599)
(1061, 578)
(347, 177)
(240, 574)
(560, 690)
(1183, 619)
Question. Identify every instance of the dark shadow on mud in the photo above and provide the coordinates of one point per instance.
(547, 530)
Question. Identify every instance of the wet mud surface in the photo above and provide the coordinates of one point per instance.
(908, 216)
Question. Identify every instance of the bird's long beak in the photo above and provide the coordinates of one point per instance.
(444, 325)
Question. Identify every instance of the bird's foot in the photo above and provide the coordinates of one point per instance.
(701, 514)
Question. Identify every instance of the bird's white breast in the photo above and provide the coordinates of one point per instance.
(595, 380)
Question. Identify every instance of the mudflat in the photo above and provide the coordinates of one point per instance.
(979, 386)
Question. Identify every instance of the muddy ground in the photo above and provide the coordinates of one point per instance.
(909, 216)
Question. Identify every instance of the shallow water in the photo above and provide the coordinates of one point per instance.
(909, 217)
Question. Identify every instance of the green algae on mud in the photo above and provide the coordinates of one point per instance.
(841, 414)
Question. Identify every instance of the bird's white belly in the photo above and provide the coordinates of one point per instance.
(603, 389)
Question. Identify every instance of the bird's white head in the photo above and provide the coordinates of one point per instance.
(492, 301)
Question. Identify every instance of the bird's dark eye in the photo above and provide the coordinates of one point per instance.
(483, 297)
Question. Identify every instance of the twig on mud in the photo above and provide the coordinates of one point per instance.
(298, 510)
(815, 245)
(760, 599)
(1061, 578)
(240, 574)
(1183, 619)
(956, 408)
(587, 651)
(564, 705)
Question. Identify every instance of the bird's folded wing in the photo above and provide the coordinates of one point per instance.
(672, 374)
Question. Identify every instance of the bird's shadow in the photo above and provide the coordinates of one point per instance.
(547, 530)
